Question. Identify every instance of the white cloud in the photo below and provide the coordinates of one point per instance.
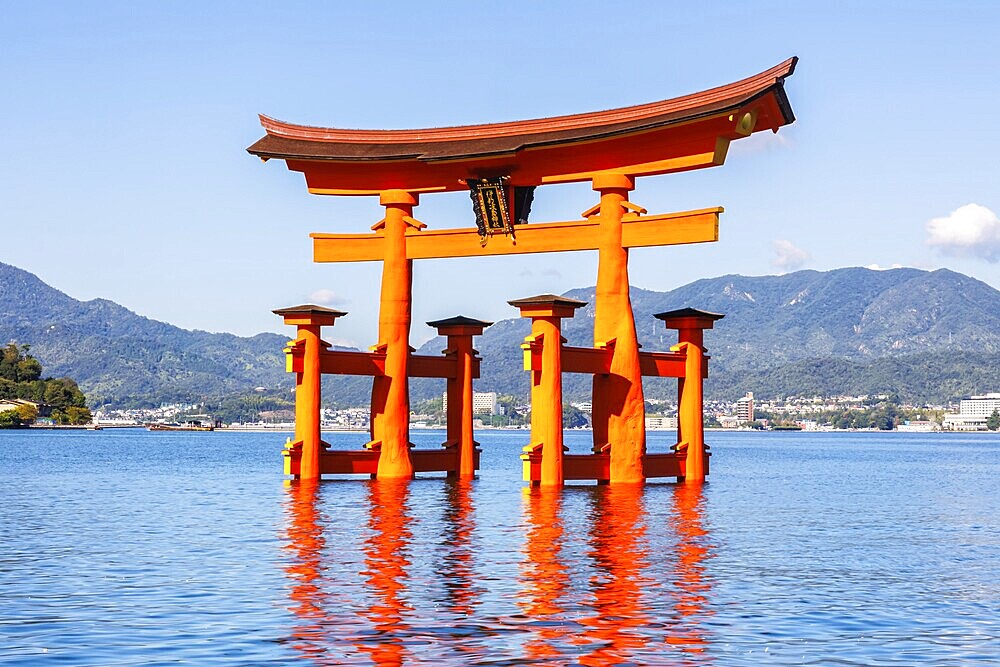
(878, 267)
(787, 256)
(326, 297)
(969, 231)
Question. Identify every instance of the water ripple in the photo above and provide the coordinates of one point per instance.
(132, 548)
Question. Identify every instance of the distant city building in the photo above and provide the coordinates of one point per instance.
(729, 421)
(980, 406)
(972, 413)
(917, 426)
(483, 402)
(661, 423)
(744, 408)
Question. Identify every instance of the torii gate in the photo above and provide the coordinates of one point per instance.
(608, 148)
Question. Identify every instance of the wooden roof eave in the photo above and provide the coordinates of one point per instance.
(781, 101)
(559, 129)
(369, 162)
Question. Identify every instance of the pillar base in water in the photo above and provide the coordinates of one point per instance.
(597, 467)
(365, 461)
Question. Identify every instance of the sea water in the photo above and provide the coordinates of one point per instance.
(125, 547)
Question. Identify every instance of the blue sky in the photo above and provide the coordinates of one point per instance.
(124, 127)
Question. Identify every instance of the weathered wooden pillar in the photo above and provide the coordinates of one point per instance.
(459, 332)
(308, 346)
(691, 324)
(546, 312)
(618, 406)
(391, 393)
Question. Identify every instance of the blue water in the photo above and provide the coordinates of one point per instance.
(138, 548)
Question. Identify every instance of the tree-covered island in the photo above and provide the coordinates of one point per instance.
(26, 397)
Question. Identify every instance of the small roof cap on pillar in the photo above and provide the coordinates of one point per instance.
(688, 317)
(308, 308)
(459, 325)
(547, 305)
(547, 300)
(459, 321)
(309, 314)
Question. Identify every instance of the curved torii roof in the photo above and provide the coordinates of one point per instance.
(677, 134)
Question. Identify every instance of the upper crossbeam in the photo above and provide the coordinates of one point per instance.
(699, 226)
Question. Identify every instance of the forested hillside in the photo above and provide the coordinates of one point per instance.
(926, 336)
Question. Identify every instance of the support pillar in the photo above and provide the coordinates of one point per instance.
(691, 324)
(459, 332)
(546, 313)
(308, 394)
(690, 417)
(618, 405)
(390, 394)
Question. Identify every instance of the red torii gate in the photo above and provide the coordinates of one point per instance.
(502, 163)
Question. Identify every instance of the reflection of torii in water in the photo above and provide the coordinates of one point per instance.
(608, 149)
(386, 567)
(621, 595)
(620, 552)
(692, 586)
(331, 628)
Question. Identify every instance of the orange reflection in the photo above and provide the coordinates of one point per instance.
(309, 595)
(385, 570)
(543, 572)
(620, 552)
(456, 571)
(691, 601)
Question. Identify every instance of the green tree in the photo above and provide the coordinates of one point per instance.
(26, 414)
(28, 369)
(78, 415)
(9, 419)
(9, 358)
(21, 377)
(993, 421)
(63, 393)
(8, 388)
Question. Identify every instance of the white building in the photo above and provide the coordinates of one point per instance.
(973, 413)
(980, 406)
(960, 422)
(917, 426)
(483, 402)
(729, 421)
(661, 423)
(744, 408)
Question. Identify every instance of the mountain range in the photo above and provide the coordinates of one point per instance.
(928, 336)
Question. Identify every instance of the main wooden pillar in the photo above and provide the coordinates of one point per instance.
(618, 407)
(308, 319)
(390, 423)
(546, 312)
(459, 332)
